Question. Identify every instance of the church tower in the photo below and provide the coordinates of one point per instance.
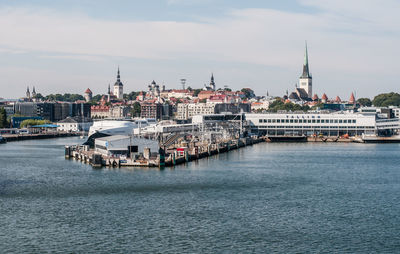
(118, 87)
(28, 94)
(305, 80)
(212, 83)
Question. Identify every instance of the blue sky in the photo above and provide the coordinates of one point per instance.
(68, 46)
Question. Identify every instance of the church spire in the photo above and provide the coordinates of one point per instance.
(118, 77)
(212, 83)
(28, 94)
(306, 72)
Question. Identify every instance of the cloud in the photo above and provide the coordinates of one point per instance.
(356, 38)
(11, 51)
(90, 58)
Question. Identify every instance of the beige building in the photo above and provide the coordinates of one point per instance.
(183, 93)
(187, 111)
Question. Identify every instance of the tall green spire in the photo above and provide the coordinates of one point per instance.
(306, 56)
(306, 73)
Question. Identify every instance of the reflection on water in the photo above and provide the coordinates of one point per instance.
(265, 198)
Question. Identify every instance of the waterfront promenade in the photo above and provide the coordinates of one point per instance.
(33, 136)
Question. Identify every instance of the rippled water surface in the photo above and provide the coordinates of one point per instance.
(285, 198)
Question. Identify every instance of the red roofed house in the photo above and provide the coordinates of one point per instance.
(205, 95)
(88, 95)
(352, 100)
(102, 110)
(324, 98)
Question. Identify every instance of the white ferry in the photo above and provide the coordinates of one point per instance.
(119, 127)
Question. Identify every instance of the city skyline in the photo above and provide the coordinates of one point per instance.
(62, 48)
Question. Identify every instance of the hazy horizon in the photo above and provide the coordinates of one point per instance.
(68, 46)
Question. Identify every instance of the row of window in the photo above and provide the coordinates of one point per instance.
(316, 127)
(307, 120)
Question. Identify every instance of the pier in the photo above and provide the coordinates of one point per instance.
(179, 153)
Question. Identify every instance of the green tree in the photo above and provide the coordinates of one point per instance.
(248, 93)
(278, 104)
(3, 118)
(386, 99)
(33, 122)
(366, 102)
(131, 96)
(136, 109)
(66, 97)
(196, 92)
(97, 97)
(38, 96)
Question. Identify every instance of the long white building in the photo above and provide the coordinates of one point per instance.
(334, 124)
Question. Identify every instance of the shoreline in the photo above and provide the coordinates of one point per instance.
(19, 137)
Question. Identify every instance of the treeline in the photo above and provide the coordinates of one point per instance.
(67, 97)
(386, 99)
(381, 100)
(278, 104)
(33, 122)
(3, 118)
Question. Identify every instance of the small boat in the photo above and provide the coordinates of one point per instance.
(378, 139)
(2, 140)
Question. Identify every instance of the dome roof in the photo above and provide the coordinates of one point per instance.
(315, 97)
(88, 91)
(324, 97)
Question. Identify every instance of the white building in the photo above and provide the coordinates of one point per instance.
(113, 145)
(74, 124)
(260, 105)
(118, 145)
(305, 81)
(118, 111)
(118, 87)
(396, 111)
(335, 124)
(177, 93)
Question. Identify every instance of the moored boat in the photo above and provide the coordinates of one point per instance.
(378, 139)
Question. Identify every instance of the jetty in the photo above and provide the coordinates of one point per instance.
(175, 154)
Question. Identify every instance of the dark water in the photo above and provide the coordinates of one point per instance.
(283, 198)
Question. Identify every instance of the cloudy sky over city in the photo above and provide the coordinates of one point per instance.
(68, 46)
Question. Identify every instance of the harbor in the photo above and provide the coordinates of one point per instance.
(165, 144)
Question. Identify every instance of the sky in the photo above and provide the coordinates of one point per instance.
(66, 46)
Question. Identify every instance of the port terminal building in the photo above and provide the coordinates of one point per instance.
(369, 121)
